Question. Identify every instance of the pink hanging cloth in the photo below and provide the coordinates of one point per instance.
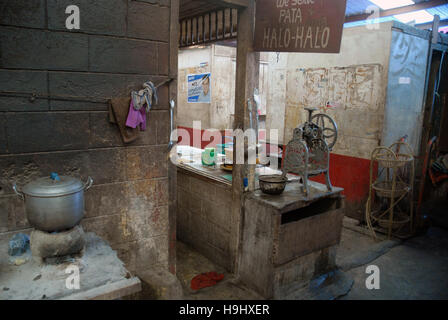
(136, 118)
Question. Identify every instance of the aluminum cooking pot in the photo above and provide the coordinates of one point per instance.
(54, 203)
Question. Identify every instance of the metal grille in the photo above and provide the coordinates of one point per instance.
(209, 27)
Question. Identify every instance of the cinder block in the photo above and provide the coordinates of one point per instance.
(18, 104)
(163, 97)
(27, 167)
(163, 56)
(39, 49)
(12, 214)
(183, 181)
(24, 81)
(147, 162)
(162, 192)
(3, 137)
(199, 228)
(107, 166)
(183, 224)
(106, 17)
(108, 228)
(48, 132)
(23, 13)
(103, 134)
(201, 187)
(4, 214)
(150, 252)
(182, 198)
(141, 195)
(122, 56)
(219, 237)
(217, 214)
(106, 199)
(223, 195)
(146, 21)
(104, 166)
(195, 204)
(60, 105)
(149, 136)
(126, 252)
(147, 223)
(162, 119)
(97, 86)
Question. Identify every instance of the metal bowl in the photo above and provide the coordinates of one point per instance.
(273, 184)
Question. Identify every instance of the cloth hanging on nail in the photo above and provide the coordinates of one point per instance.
(145, 96)
(136, 117)
(118, 113)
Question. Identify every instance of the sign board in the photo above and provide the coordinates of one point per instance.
(299, 25)
(199, 88)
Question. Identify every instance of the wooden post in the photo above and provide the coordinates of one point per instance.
(247, 75)
(172, 169)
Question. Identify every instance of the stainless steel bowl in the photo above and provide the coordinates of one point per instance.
(54, 204)
(273, 184)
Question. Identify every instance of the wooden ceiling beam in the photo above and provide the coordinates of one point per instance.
(233, 3)
(194, 8)
(392, 12)
(443, 23)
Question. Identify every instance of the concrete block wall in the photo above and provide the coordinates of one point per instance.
(203, 217)
(120, 45)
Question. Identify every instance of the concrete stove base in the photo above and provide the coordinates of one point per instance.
(47, 245)
(101, 275)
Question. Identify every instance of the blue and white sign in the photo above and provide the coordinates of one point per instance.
(199, 88)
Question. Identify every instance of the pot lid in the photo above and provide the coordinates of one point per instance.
(53, 186)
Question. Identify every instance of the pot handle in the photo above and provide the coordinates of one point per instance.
(18, 192)
(88, 184)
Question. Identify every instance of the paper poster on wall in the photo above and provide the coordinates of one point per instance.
(199, 88)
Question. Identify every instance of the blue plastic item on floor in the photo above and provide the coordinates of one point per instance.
(18, 244)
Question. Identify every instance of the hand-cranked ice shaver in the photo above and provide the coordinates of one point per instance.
(308, 153)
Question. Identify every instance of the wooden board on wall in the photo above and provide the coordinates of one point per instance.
(299, 25)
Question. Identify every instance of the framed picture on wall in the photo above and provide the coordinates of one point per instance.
(199, 88)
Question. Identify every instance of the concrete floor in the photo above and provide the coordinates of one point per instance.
(414, 269)
(190, 263)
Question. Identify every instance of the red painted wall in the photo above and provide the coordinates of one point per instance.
(350, 173)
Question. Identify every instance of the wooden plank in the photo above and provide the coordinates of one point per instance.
(110, 291)
(303, 237)
(234, 3)
(200, 174)
(256, 269)
(172, 169)
(247, 69)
